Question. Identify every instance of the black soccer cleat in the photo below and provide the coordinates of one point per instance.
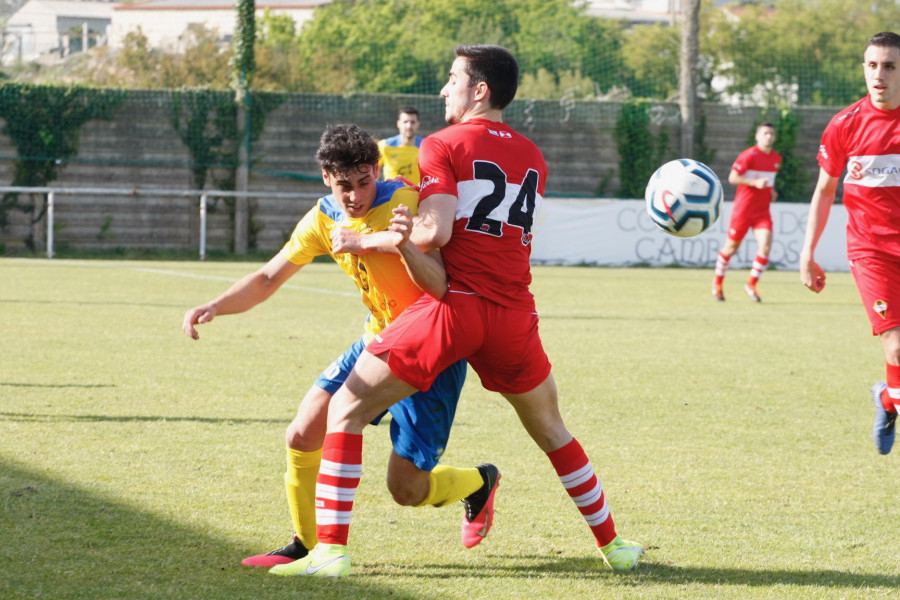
(479, 507)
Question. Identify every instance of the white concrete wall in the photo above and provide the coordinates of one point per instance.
(620, 233)
(33, 30)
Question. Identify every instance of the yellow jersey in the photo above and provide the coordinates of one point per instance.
(383, 282)
(399, 160)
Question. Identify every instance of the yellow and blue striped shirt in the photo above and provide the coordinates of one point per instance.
(383, 282)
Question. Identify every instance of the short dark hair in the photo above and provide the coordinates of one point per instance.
(408, 110)
(344, 148)
(764, 124)
(494, 65)
(887, 39)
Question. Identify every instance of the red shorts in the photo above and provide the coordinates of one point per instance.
(501, 344)
(878, 282)
(741, 222)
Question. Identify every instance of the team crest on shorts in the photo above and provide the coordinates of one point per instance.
(880, 307)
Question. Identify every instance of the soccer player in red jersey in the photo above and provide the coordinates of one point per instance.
(482, 184)
(864, 140)
(420, 426)
(753, 172)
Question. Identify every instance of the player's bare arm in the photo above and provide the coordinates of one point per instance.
(811, 274)
(425, 269)
(433, 225)
(434, 222)
(347, 241)
(735, 178)
(246, 293)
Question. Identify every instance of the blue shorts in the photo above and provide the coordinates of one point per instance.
(420, 424)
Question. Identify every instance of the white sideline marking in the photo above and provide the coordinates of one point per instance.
(102, 265)
(287, 286)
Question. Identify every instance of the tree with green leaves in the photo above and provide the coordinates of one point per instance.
(403, 46)
(44, 123)
(797, 51)
(640, 151)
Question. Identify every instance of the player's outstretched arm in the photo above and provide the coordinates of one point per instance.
(246, 293)
(811, 274)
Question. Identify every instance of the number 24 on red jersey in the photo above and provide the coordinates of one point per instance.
(490, 202)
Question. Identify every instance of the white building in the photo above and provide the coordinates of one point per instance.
(164, 21)
(51, 29)
(635, 11)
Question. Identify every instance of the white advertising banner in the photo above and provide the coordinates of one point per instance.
(619, 233)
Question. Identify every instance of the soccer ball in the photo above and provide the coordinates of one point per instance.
(684, 197)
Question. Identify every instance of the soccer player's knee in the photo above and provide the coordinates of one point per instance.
(406, 492)
(300, 439)
(892, 352)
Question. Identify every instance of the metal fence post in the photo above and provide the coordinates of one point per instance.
(51, 204)
(203, 226)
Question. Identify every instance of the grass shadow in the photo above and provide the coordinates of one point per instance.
(61, 542)
(50, 418)
(521, 565)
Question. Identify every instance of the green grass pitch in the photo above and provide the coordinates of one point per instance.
(732, 439)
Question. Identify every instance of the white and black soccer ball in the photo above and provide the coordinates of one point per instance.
(684, 197)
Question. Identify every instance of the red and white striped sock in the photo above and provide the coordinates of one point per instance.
(336, 485)
(756, 270)
(721, 268)
(578, 477)
(890, 398)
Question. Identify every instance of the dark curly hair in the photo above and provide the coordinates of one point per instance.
(345, 148)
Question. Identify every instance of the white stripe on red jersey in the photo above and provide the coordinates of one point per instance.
(874, 171)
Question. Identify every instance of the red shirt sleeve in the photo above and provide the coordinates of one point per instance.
(436, 168)
(831, 155)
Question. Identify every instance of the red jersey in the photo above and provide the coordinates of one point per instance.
(866, 141)
(498, 177)
(754, 163)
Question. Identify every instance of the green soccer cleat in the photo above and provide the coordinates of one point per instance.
(325, 560)
(750, 290)
(622, 555)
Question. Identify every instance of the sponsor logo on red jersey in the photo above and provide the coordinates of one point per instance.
(428, 180)
(874, 171)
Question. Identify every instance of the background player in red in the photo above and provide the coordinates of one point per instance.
(864, 139)
(482, 184)
(753, 172)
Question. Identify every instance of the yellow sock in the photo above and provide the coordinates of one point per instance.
(450, 484)
(300, 483)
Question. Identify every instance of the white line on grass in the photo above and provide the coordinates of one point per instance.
(102, 265)
(223, 278)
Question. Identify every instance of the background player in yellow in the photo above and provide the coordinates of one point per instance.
(420, 424)
(400, 153)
